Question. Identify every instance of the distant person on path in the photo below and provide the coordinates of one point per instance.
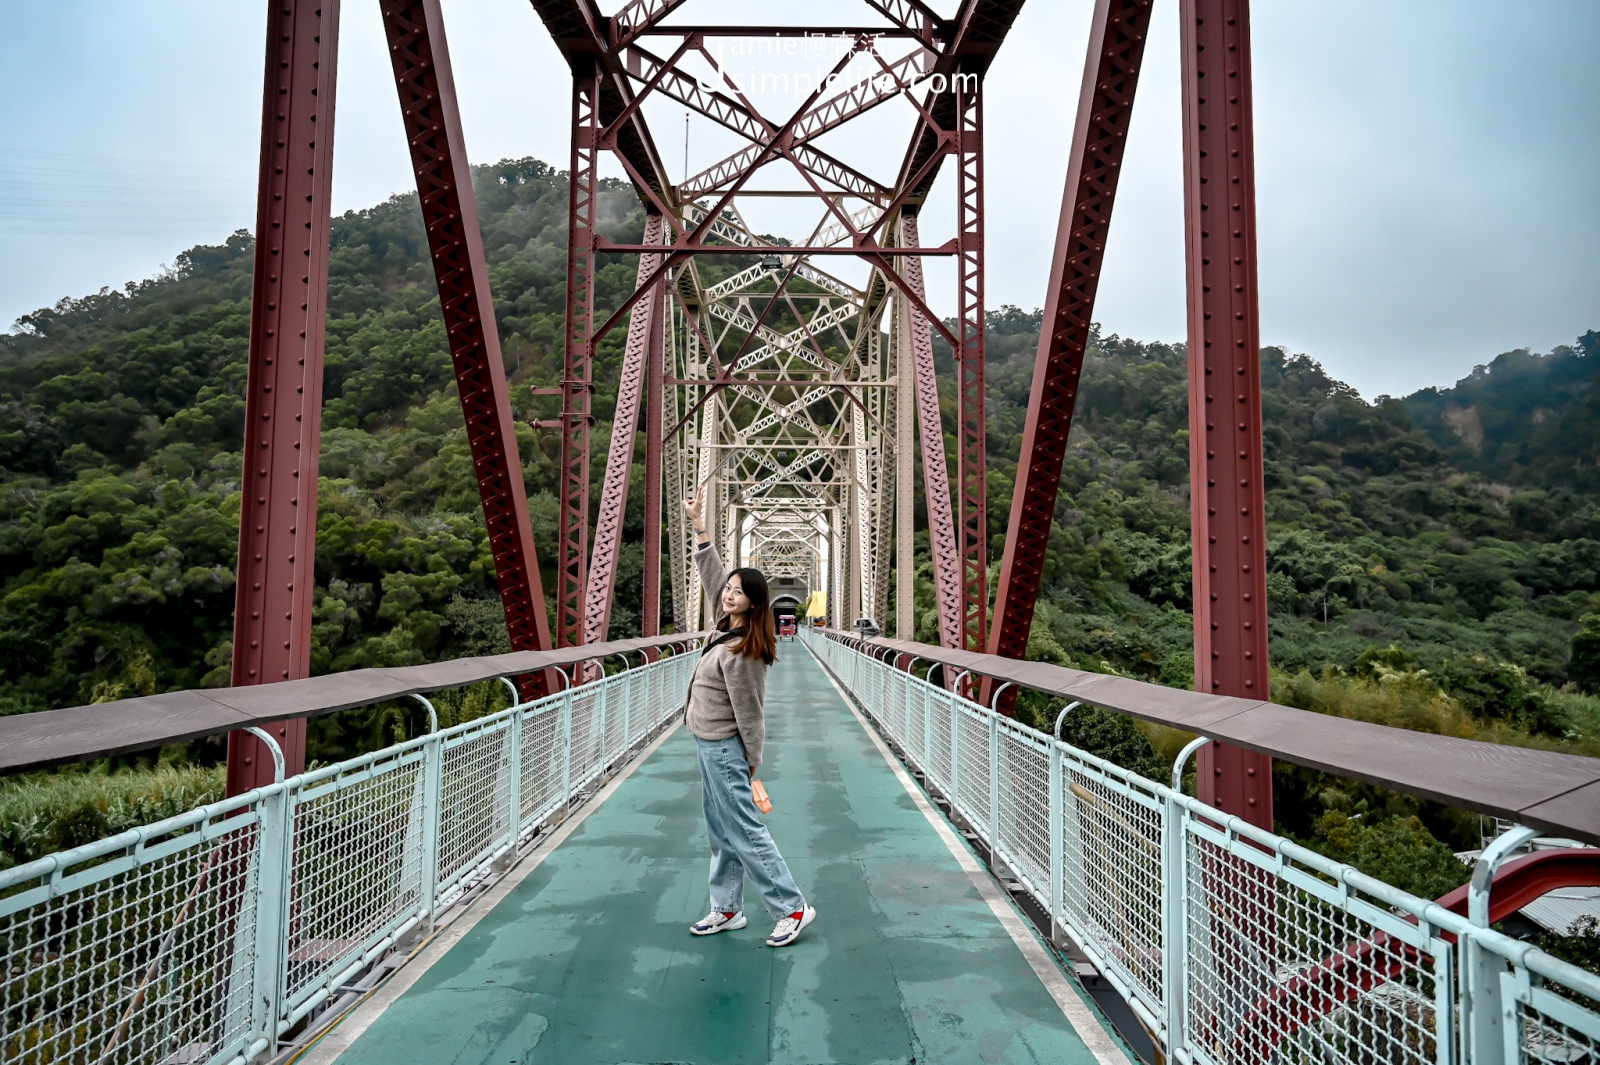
(727, 715)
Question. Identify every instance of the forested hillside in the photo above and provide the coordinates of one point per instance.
(1432, 559)
(1376, 535)
(1525, 418)
(121, 416)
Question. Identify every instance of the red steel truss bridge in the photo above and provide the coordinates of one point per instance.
(794, 377)
(782, 354)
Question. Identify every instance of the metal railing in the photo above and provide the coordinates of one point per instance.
(207, 937)
(1229, 943)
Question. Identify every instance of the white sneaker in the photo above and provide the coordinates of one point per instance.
(717, 921)
(788, 929)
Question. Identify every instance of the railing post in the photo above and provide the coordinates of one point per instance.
(627, 719)
(432, 788)
(566, 747)
(638, 692)
(1058, 853)
(927, 733)
(272, 913)
(955, 754)
(1485, 1004)
(602, 737)
(994, 793)
(514, 788)
(1174, 921)
(1175, 903)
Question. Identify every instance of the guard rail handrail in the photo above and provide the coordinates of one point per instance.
(216, 936)
(1230, 944)
(1554, 792)
(82, 733)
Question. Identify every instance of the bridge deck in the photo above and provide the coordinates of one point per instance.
(588, 959)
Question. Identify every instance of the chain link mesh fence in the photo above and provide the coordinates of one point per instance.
(1233, 946)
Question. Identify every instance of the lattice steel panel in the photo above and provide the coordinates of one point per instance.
(654, 694)
(655, 708)
(937, 762)
(1549, 1029)
(923, 712)
(585, 734)
(662, 699)
(972, 797)
(884, 711)
(910, 722)
(1024, 773)
(624, 718)
(617, 715)
(887, 711)
(892, 702)
(677, 688)
(474, 799)
(1111, 870)
(130, 955)
(1285, 966)
(541, 762)
(355, 869)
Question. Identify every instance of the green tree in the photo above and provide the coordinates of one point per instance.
(1397, 850)
(1584, 664)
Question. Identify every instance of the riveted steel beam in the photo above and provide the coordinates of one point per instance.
(1228, 523)
(942, 538)
(577, 387)
(420, 56)
(1105, 107)
(633, 387)
(654, 465)
(972, 458)
(283, 390)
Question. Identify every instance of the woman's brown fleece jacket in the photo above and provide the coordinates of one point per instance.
(728, 690)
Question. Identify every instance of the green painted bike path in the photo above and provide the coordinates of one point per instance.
(589, 960)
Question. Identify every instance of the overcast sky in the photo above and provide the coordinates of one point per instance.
(1427, 169)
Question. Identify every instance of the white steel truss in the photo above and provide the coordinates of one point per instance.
(787, 409)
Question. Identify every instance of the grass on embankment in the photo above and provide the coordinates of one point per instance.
(45, 812)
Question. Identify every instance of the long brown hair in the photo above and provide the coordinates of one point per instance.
(760, 634)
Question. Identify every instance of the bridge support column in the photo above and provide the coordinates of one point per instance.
(638, 385)
(971, 460)
(283, 404)
(942, 536)
(654, 430)
(583, 200)
(904, 483)
(1228, 525)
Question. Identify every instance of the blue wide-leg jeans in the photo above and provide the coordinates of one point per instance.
(740, 843)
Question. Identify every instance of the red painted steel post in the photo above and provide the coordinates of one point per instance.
(1227, 497)
(582, 201)
(421, 59)
(971, 461)
(283, 404)
(1105, 106)
(633, 385)
(655, 384)
(942, 538)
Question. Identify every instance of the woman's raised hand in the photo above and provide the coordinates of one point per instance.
(692, 508)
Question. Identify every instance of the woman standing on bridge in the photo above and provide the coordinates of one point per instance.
(726, 713)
